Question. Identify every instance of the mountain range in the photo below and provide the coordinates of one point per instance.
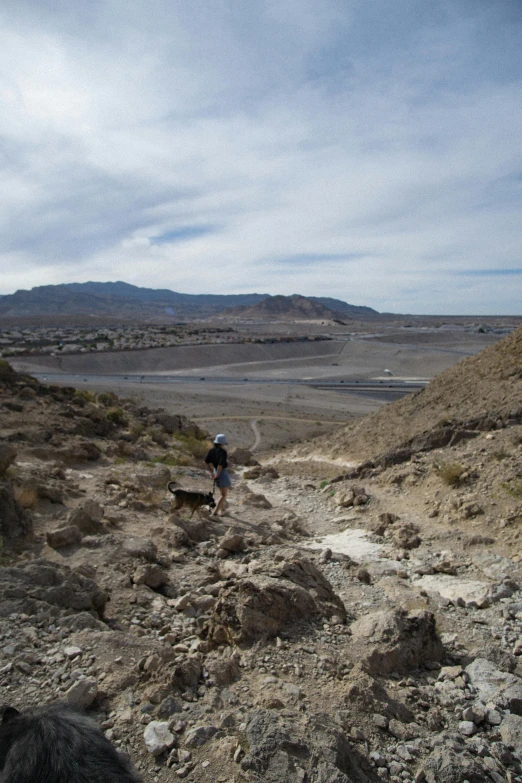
(125, 301)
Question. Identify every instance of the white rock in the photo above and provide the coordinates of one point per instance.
(158, 738)
(462, 591)
(501, 688)
(72, 652)
(467, 727)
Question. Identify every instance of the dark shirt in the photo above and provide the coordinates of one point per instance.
(217, 457)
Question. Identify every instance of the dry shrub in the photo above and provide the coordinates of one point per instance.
(6, 371)
(198, 448)
(158, 436)
(107, 398)
(450, 472)
(117, 416)
(26, 496)
(513, 487)
(174, 459)
(84, 395)
(137, 429)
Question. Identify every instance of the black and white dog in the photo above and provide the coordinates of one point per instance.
(57, 744)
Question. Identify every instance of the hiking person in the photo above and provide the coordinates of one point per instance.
(216, 460)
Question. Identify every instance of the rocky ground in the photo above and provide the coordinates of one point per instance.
(330, 628)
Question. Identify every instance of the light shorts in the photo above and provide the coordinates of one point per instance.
(223, 480)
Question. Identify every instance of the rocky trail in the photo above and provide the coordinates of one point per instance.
(330, 628)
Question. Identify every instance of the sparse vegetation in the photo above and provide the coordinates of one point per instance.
(5, 369)
(157, 436)
(107, 398)
(173, 460)
(117, 416)
(450, 472)
(84, 395)
(513, 487)
(5, 558)
(196, 446)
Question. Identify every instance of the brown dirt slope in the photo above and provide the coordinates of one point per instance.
(488, 385)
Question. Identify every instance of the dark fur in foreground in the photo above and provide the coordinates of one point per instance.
(194, 500)
(57, 744)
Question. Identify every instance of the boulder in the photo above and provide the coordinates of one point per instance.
(232, 541)
(134, 546)
(36, 585)
(15, 522)
(511, 732)
(260, 605)
(256, 500)
(152, 575)
(187, 674)
(27, 393)
(7, 456)
(172, 423)
(87, 517)
(448, 765)
(157, 478)
(345, 499)
(199, 735)
(168, 707)
(240, 456)
(64, 537)
(198, 530)
(82, 693)
(83, 451)
(492, 685)
(158, 737)
(406, 536)
(394, 641)
(225, 670)
(278, 751)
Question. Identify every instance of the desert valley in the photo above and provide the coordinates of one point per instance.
(356, 615)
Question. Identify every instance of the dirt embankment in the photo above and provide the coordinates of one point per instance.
(178, 358)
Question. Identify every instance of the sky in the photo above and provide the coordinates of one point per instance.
(362, 149)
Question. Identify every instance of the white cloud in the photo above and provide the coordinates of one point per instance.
(382, 147)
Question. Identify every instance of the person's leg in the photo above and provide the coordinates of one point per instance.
(220, 508)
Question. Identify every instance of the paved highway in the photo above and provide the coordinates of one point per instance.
(387, 386)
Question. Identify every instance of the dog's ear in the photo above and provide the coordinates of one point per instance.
(8, 713)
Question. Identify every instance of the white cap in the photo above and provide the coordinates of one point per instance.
(221, 440)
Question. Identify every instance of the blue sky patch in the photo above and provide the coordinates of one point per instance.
(182, 234)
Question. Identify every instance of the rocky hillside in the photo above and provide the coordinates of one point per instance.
(351, 630)
(476, 394)
(299, 308)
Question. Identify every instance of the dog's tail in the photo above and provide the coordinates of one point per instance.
(171, 486)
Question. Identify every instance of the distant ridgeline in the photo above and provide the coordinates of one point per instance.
(129, 302)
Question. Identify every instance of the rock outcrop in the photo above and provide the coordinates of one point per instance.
(261, 604)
